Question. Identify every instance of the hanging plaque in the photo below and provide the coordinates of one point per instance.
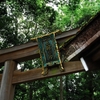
(49, 52)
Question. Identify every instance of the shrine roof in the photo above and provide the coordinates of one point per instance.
(86, 40)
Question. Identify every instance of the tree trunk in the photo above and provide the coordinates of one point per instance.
(90, 85)
(61, 88)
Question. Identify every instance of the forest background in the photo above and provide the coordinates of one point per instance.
(21, 20)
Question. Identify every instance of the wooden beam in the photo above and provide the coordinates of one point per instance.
(20, 55)
(87, 46)
(70, 67)
(7, 89)
(96, 56)
(29, 50)
(35, 74)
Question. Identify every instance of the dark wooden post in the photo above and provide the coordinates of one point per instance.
(7, 89)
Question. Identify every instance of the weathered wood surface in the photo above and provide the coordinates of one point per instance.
(30, 50)
(96, 56)
(90, 45)
(35, 74)
(86, 37)
(7, 88)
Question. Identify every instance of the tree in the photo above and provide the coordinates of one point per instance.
(76, 13)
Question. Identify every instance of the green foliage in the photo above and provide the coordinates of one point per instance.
(40, 90)
(76, 13)
(81, 86)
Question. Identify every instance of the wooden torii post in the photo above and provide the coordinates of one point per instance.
(85, 45)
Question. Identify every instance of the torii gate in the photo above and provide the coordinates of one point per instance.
(84, 47)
